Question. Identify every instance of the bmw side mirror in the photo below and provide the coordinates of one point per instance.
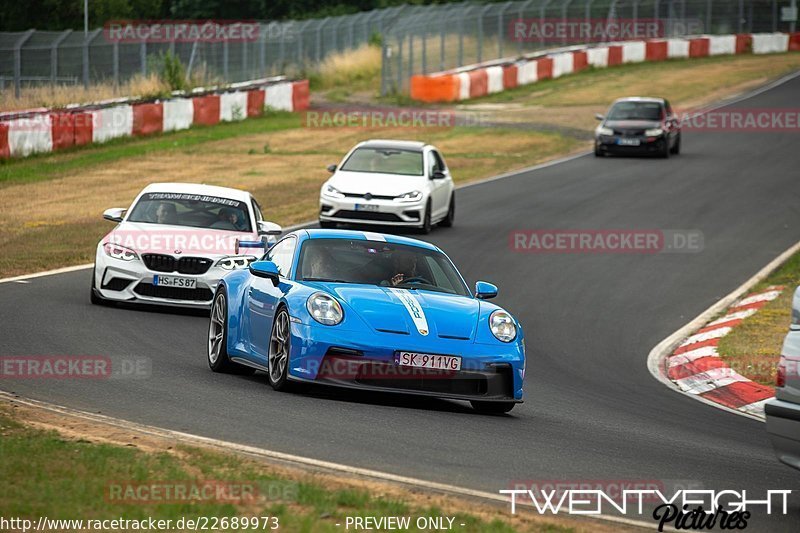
(331, 168)
(485, 290)
(438, 175)
(265, 269)
(269, 228)
(598, 116)
(115, 214)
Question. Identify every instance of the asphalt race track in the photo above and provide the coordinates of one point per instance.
(592, 410)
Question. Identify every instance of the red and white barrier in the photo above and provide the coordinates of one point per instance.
(42, 130)
(480, 80)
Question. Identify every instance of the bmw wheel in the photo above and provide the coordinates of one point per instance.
(279, 349)
(218, 359)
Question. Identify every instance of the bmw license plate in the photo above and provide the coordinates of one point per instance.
(625, 141)
(175, 281)
(424, 360)
(367, 207)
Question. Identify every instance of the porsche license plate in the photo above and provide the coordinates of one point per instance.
(424, 360)
(175, 281)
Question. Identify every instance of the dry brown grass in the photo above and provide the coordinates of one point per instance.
(352, 69)
(62, 95)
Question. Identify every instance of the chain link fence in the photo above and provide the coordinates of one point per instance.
(447, 36)
(416, 39)
(35, 58)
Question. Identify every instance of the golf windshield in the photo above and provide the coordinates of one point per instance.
(385, 161)
(379, 263)
(635, 111)
(193, 210)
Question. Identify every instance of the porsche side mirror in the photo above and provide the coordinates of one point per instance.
(485, 290)
(265, 269)
(115, 214)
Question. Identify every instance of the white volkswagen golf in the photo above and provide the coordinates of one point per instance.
(175, 243)
(389, 183)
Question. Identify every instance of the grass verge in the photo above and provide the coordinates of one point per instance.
(74, 474)
(754, 346)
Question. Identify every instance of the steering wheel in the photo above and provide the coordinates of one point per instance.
(416, 279)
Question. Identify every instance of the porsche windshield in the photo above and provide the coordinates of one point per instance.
(378, 263)
(193, 210)
(635, 111)
(385, 161)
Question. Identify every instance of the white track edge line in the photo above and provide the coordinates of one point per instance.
(658, 355)
(295, 459)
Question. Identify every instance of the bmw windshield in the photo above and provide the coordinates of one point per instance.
(650, 111)
(192, 210)
(379, 263)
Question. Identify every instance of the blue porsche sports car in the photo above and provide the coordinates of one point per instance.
(368, 311)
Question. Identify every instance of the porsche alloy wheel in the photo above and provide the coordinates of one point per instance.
(279, 345)
(218, 359)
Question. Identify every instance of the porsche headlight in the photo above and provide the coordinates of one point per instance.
(324, 309)
(601, 130)
(119, 252)
(332, 192)
(413, 196)
(655, 132)
(502, 326)
(232, 262)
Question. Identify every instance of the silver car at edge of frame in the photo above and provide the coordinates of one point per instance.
(783, 412)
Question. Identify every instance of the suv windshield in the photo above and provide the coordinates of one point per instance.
(385, 161)
(193, 210)
(378, 263)
(635, 111)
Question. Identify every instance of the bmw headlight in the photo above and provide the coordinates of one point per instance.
(324, 309)
(413, 196)
(119, 252)
(232, 262)
(502, 326)
(332, 192)
(655, 132)
(601, 130)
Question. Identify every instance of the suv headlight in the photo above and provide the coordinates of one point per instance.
(502, 326)
(602, 130)
(232, 262)
(413, 196)
(324, 309)
(119, 252)
(332, 192)
(655, 132)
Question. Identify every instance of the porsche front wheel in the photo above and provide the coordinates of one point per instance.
(279, 348)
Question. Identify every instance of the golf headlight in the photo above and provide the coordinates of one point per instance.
(119, 252)
(655, 132)
(604, 131)
(324, 309)
(502, 326)
(413, 196)
(232, 262)
(332, 192)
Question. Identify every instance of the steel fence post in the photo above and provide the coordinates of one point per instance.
(741, 16)
(708, 15)
(522, 9)
(500, 30)
(54, 55)
(225, 60)
(18, 62)
(542, 12)
(143, 57)
(115, 63)
(86, 42)
(564, 9)
(318, 53)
